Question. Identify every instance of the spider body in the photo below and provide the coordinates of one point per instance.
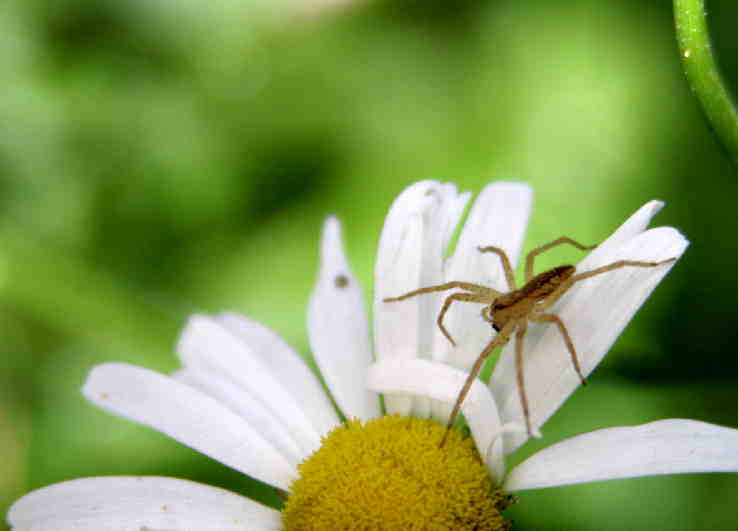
(522, 302)
(509, 313)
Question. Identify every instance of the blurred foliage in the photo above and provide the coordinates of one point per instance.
(160, 158)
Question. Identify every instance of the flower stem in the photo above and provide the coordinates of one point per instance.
(702, 72)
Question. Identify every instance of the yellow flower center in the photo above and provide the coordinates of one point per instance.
(391, 474)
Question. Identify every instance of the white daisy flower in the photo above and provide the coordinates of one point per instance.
(245, 398)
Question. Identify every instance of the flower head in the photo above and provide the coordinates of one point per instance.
(245, 398)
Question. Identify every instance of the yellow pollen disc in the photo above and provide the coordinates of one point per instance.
(391, 474)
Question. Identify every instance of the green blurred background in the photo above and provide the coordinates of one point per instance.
(162, 157)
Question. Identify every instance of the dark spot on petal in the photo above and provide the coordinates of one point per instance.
(341, 281)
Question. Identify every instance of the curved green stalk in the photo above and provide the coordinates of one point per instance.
(702, 72)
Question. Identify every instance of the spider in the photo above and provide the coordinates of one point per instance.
(510, 312)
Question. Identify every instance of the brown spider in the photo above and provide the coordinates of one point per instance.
(510, 312)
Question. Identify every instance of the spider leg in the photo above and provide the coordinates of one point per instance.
(463, 297)
(509, 275)
(566, 285)
(474, 288)
(519, 337)
(499, 339)
(538, 250)
(486, 314)
(617, 265)
(555, 319)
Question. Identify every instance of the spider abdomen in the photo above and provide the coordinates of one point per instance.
(543, 284)
(519, 303)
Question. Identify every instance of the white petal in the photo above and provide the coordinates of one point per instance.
(189, 416)
(441, 382)
(389, 339)
(238, 400)
(422, 407)
(633, 226)
(414, 238)
(338, 329)
(673, 446)
(499, 217)
(287, 367)
(595, 311)
(136, 503)
(206, 343)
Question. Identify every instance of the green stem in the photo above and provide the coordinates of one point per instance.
(702, 72)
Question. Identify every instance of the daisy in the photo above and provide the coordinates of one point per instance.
(245, 398)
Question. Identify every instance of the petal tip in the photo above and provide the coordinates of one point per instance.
(655, 205)
(192, 328)
(331, 244)
(511, 185)
(331, 226)
(91, 388)
(670, 238)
